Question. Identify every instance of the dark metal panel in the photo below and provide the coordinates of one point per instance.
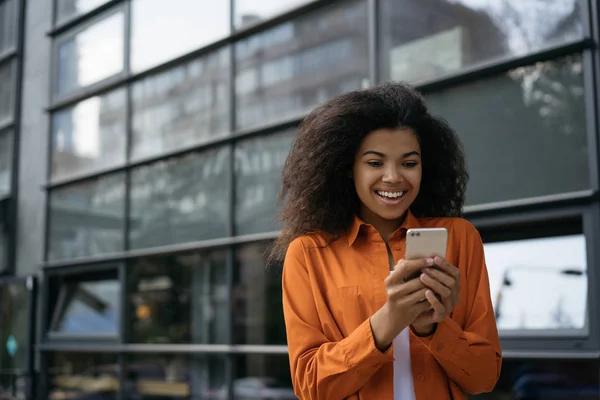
(590, 80)
(32, 287)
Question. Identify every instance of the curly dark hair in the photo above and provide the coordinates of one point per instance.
(317, 190)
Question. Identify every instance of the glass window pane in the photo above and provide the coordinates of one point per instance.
(87, 308)
(87, 218)
(250, 12)
(14, 327)
(262, 376)
(163, 30)
(174, 377)
(68, 9)
(81, 376)
(94, 54)
(427, 39)
(6, 153)
(503, 121)
(258, 165)
(179, 298)
(257, 307)
(9, 25)
(181, 200)
(291, 68)
(90, 135)
(182, 106)
(7, 91)
(546, 379)
(557, 265)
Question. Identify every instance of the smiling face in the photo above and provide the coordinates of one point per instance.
(387, 177)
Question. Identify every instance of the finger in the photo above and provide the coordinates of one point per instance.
(397, 290)
(436, 285)
(417, 296)
(437, 305)
(440, 276)
(404, 268)
(445, 266)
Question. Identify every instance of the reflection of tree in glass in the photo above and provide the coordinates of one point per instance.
(181, 200)
(530, 24)
(555, 89)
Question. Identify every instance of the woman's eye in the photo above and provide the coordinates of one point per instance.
(375, 163)
(411, 164)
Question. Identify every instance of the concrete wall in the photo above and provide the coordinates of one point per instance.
(34, 137)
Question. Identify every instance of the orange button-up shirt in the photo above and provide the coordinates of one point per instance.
(330, 292)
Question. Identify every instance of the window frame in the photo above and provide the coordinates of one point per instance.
(506, 225)
(100, 85)
(52, 295)
(31, 285)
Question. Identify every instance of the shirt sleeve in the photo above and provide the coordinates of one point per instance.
(470, 354)
(321, 368)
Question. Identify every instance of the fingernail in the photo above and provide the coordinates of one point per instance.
(438, 260)
(430, 261)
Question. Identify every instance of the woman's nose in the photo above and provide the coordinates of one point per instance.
(392, 175)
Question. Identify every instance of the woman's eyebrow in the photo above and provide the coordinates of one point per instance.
(382, 155)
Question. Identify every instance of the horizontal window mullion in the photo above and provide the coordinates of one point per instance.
(503, 64)
(162, 348)
(153, 251)
(205, 145)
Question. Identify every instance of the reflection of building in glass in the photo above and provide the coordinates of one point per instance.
(433, 38)
(181, 106)
(299, 64)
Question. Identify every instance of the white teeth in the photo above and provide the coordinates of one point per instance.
(391, 195)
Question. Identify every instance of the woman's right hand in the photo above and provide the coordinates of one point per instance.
(404, 302)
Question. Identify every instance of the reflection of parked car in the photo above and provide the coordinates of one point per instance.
(255, 388)
(542, 386)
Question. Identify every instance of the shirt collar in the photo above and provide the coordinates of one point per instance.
(352, 233)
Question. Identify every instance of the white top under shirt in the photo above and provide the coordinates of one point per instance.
(403, 377)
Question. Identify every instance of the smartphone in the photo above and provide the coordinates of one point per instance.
(424, 243)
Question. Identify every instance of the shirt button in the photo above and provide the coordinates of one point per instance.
(420, 378)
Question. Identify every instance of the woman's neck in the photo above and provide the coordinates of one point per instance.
(385, 227)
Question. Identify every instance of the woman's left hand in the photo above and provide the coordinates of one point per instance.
(444, 280)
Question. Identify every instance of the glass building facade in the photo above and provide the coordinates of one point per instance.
(141, 147)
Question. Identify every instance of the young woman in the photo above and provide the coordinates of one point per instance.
(365, 167)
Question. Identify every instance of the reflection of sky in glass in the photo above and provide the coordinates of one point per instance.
(540, 297)
(163, 30)
(93, 55)
(526, 23)
(80, 317)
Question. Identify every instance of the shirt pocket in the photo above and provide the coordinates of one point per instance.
(347, 307)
